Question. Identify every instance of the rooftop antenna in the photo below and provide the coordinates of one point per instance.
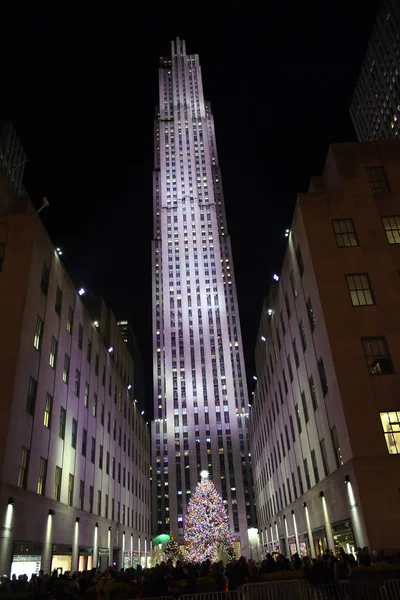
(45, 203)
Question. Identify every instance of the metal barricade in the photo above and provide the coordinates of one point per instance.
(297, 589)
(349, 591)
(212, 596)
(392, 589)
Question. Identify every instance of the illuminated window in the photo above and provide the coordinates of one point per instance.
(377, 180)
(360, 289)
(53, 352)
(57, 483)
(37, 339)
(47, 411)
(392, 229)
(23, 468)
(41, 484)
(391, 427)
(377, 355)
(345, 233)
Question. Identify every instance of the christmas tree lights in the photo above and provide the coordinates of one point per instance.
(207, 525)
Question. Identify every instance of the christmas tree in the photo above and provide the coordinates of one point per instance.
(172, 550)
(207, 524)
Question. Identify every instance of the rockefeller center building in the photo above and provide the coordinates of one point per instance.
(325, 425)
(74, 449)
(200, 395)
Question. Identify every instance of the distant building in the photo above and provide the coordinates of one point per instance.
(200, 391)
(138, 375)
(375, 108)
(13, 157)
(325, 425)
(74, 449)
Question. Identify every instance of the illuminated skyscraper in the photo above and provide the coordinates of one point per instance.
(200, 393)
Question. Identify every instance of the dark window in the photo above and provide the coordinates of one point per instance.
(292, 428)
(70, 319)
(81, 493)
(300, 480)
(44, 282)
(287, 437)
(80, 337)
(102, 414)
(296, 408)
(307, 474)
(53, 352)
(290, 368)
(285, 385)
(66, 368)
(296, 354)
(377, 180)
(77, 382)
(2, 254)
(57, 483)
(70, 489)
(107, 463)
(311, 316)
(93, 450)
(322, 376)
(41, 484)
(345, 233)
(360, 289)
(74, 433)
(299, 257)
(84, 442)
(89, 351)
(305, 409)
(91, 499)
(377, 355)
(294, 486)
(31, 397)
(58, 303)
(37, 338)
(336, 447)
(282, 323)
(96, 364)
(313, 392)
(23, 467)
(101, 457)
(303, 336)
(314, 466)
(392, 229)
(287, 306)
(61, 427)
(293, 284)
(324, 457)
(94, 408)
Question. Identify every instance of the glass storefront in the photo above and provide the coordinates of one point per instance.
(127, 560)
(319, 540)
(26, 559)
(61, 562)
(304, 544)
(292, 545)
(343, 536)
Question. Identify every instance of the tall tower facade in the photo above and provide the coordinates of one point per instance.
(200, 393)
(375, 108)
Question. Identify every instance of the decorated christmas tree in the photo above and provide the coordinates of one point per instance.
(172, 550)
(207, 525)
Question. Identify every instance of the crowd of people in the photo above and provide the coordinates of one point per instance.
(167, 579)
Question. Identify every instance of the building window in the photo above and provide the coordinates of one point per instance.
(296, 409)
(80, 337)
(44, 282)
(2, 254)
(91, 499)
(94, 404)
(81, 494)
(84, 442)
(313, 392)
(77, 382)
(391, 427)
(101, 457)
(74, 433)
(86, 395)
(102, 414)
(93, 450)
(324, 457)
(299, 258)
(311, 316)
(107, 463)
(345, 233)
(70, 489)
(106, 507)
(392, 229)
(99, 502)
(70, 319)
(53, 352)
(296, 354)
(322, 376)
(61, 426)
(66, 368)
(47, 411)
(377, 180)
(57, 484)
(41, 484)
(307, 474)
(360, 289)
(89, 351)
(58, 302)
(377, 355)
(305, 409)
(287, 306)
(336, 447)
(31, 397)
(302, 336)
(23, 468)
(37, 338)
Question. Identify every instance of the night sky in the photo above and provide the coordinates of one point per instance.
(80, 83)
